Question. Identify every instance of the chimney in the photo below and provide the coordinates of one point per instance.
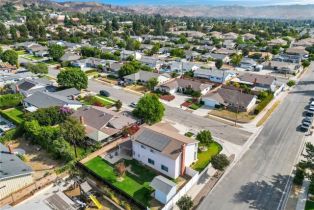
(82, 120)
(10, 148)
(183, 159)
(73, 97)
(17, 88)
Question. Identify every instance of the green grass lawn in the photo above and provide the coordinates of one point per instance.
(204, 158)
(14, 114)
(106, 99)
(71, 68)
(32, 57)
(309, 205)
(135, 185)
(21, 52)
(98, 101)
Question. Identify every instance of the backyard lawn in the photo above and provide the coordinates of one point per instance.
(135, 184)
(309, 205)
(14, 114)
(205, 157)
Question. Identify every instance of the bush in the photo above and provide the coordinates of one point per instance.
(220, 162)
(263, 104)
(311, 187)
(11, 135)
(10, 100)
(299, 176)
(205, 137)
(291, 83)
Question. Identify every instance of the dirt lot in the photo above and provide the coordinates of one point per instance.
(242, 117)
(40, 161)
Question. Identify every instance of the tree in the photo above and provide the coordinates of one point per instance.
(205, 137)
(73, 131)
(40, 68)
(177, 52)
(185, 203)
(56, 51)
(306, 63)
(220, 162)
(150, 109)
(151, 83)
(10, 56)
(118, 105)
(3, 32)
(218, 63)
(291, 83)
(115, 24)
(127, 69)
(309, 155)
(236, 59)
(121, 169)
(73, 78)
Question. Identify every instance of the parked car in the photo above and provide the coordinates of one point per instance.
(133, 105)
(305, 127)
(104, 93)
(309, 114)
(308, 120)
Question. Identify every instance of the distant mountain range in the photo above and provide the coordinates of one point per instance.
(273, 12)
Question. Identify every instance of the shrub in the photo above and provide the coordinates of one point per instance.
(263, 104)
(291, 83)
(311, 187)
(185, 203)
(220, 162)
(10, 100)
(299, 176)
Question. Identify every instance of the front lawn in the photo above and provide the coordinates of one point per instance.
(15, 115)
(135, 184)
(205, 157)
(241, 117)
(98, 100)
(32, 57)
(108, 100)
(309, 205)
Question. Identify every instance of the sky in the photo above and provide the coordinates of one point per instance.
(201, 2)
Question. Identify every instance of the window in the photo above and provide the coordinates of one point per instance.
(150, 161)
(165, 168)
(143, 146)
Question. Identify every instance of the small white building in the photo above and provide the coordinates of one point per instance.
(164, 188)
(164, 150)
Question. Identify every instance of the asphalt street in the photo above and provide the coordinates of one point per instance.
(218, 129)
(260, 177)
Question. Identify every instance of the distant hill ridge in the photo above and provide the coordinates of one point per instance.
(273, 12)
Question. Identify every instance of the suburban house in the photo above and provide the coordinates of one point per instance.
(7, 68)
(248, 36)
(101, 124)
(191, 55)
(145, 76)
(229, 44)
(290, 58)
(230, 36)
(257, 81)
(34, 48)
(152, 62)
(69, 57)
(215, 56)
(164, 150)
(277, 42)
(232, 99)
(113, 67)
(248, 64)
(180, 85)
(164, 188)
(179, 66)
(125, 54)
(214, 75)
(15, 174)
(29, 86)
(282, 67)
(89, 63)
(64, 98)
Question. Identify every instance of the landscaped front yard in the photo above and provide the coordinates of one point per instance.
(241, 117)
(134, 183)
(14, 114)
(98, 101)
(205, 157)
(32, 57)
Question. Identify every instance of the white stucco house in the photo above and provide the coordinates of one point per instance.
(164, 150)
(215, 75)
(145, 76)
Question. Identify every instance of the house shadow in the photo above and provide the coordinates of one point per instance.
(204, 178)
(262, 195)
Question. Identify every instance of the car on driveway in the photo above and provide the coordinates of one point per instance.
(133, 105)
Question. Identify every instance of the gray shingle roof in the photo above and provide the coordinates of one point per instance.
(11, 165)
(142, 75)
(162, 184)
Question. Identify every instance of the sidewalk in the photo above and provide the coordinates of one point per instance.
(303, 195)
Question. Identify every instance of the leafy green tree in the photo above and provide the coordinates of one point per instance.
(73, 131)
(3, 32)
(118, 105)
(115, 24)
(218, 63)
(150, 109)
(306, 63)
(220, 162)
(10, 56)
(127, 69)
(291, 83)
(10, 100)
(13, 33)
(205, 137)
(62, 149)
(40, 68)
(56, 51)
(236, 59)
(73, 78)
(185, 203)
(177, 52)
(152, 83)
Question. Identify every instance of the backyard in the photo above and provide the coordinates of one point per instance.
(13, 114)
(205, 157)
(134, 183)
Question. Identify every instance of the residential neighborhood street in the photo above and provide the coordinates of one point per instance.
(260, 179)
(218, 129)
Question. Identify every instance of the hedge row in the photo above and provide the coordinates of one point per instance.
(263, 104)
(8, 117)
